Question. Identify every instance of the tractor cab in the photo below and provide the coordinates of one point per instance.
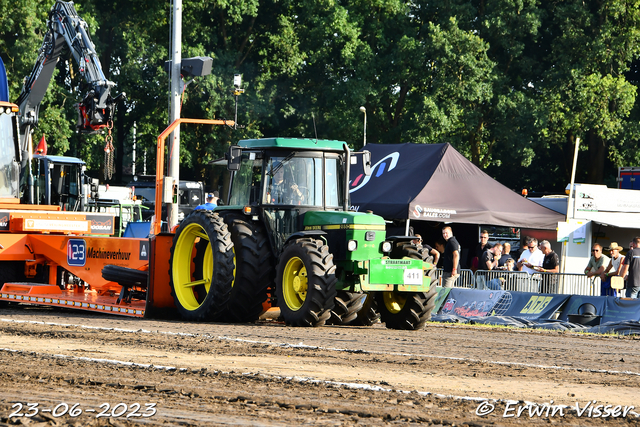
(281, 179)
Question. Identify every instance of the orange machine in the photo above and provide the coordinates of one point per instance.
(54, 258)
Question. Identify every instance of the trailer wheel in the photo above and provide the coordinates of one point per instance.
(200, 293)
(125, 276)
(346, 306)
(406, 310)
(305, 283)
(368, 315)
(253, 274)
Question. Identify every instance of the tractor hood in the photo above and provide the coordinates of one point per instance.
(315, 220)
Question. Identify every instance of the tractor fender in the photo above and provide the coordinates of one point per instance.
(399, 239)
(307, 233)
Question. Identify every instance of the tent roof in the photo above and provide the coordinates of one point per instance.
(434, 182)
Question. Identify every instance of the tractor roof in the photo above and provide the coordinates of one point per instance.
(297, 143)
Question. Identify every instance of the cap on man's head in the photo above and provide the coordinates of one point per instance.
(616, 246)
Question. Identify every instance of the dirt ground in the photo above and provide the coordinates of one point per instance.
(92, 370)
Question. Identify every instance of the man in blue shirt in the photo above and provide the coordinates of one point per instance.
(212, 202)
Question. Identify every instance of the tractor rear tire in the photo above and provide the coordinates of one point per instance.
(253, 271)
(201, 293)
(346, 307)
(306, 283)
(406, 310)
(368, 315)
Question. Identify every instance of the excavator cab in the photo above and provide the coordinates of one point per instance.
(9, 154)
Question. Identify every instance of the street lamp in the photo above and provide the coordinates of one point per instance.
(364, 110)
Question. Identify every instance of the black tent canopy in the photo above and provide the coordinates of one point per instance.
(434, 182)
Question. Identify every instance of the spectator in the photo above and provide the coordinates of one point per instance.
(451, 258)
(531, 257)
(428, 251)
(632, 266)
(551, 262)
(490, 257)
(440, 248)
(597, 262)
(613, 269)
(510, 264)
(506, 254)
(480, 249)
(212, 202)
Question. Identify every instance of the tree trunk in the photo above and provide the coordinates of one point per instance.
(596, 155)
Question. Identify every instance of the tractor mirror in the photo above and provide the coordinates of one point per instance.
(234, 157)
(366, 162)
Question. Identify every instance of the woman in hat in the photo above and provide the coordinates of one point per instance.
(613, 269)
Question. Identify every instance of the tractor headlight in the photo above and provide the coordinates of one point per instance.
(352, 245)
(386, 247)
(2, 110)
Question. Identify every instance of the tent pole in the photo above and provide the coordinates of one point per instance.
(406, 230)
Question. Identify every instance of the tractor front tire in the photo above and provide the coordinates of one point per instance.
(406, 310)
(306, 282)
(346, 307)
(201, 292)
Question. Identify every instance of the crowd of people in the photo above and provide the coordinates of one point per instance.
(536, 257)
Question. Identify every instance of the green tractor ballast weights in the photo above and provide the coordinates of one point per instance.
(287, 236)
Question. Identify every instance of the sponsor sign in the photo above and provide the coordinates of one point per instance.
(144, 250)
(4, 221)
(101, 224)
(31, 224)
(420, 212)
(76, 252)
(475, 302)
(528, 305)
(100, 253)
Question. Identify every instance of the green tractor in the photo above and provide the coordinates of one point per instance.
(287, 236)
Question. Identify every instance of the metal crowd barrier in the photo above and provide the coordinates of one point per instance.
(465, 280)
(544, 283)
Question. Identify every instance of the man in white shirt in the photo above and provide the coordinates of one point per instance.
(531, 257)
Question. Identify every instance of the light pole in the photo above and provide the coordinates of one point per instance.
(364, 110)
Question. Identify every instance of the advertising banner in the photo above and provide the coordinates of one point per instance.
(576, 301)
(475, 302)
(443, 293)
(528, 305)
(619, 310)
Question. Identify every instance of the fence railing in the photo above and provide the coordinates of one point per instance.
(545, 283)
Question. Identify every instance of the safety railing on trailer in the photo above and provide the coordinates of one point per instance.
(545, 283)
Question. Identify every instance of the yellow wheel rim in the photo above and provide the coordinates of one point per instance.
(295, 283)
(235, 264)
(394, 302)
(183, 283)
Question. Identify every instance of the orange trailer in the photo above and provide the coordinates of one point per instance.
(69, 259)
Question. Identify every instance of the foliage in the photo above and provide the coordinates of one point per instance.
(511, 84)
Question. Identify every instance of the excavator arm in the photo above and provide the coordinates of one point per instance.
(65, 28)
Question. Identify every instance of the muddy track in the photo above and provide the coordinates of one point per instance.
(269, 374)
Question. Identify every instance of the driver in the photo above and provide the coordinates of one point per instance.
(283, 188)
